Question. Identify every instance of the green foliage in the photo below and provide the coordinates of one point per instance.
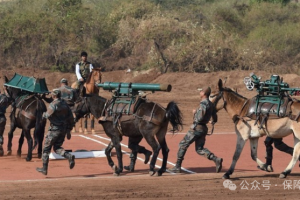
(173, 35)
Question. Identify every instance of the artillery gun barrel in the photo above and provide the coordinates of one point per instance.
(136, 86)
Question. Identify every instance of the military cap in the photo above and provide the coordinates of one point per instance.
(63, 80)
(56, 92)
(207, 90)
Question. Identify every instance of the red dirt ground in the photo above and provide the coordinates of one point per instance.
(92, 178)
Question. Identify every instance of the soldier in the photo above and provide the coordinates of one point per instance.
(61, 122)
(198, 132)
(67, 93)
(4, 103)
(82, 70)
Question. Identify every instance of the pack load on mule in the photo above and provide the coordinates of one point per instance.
(126, 99)
(273, 98)
(29, 84)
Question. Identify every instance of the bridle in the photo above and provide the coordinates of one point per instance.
(218, 96)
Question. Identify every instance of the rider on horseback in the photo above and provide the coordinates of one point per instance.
(82, 70)
(198, 132)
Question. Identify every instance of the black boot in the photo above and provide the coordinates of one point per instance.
(177, 167)
(133, 157)
(71, 159)
(44, 169)
(218, 162)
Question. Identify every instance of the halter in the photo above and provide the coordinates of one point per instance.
(218, 96)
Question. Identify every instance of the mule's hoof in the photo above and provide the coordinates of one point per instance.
(282, 175)
(114, 168)
(270, 168)
(128, 168)
(28, 159)
(226, 176)
(8, 153)
(1, 153)
(116, 174)
(151, 173)
(93, 132)
(85, 133)
(158, 174)
(19, 154)
(80, 130)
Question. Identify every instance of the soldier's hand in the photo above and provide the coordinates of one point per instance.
(81, 80)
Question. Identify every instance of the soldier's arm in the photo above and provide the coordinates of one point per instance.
(91, 67)
(51, 109)
(214, 116)
(77, 72)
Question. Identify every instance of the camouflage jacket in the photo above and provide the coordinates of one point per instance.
(84, 69)
(59, 115)
(4, 103)
(205, 111)
(67, 94)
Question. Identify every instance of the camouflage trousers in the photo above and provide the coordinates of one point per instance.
(55, 139)
(2, 127)
(197, 136)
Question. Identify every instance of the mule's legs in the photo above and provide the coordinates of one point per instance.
(253, 147)
(30, 144)
(41, 133)
(85, 125)
(21, 141)
(10, 136)
(155, 148)
(238, 150)
(108, 150)
(117, 144)
(2, 128)
(93, 124)
(295, 157)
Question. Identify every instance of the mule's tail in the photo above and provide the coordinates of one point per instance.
(38, 130)
(175, 116)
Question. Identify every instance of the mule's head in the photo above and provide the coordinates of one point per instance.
(80, 108)
(217, 95)
(96, 75)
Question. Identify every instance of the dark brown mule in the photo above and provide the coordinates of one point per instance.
(26, 117)
(90, 88)
(246, 128)
(137, 128)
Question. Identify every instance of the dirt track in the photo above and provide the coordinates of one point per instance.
(92, 178)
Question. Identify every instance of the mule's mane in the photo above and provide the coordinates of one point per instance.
(235, 93)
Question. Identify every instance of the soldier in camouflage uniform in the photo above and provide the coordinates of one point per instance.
(82, 70)
(61, 121)
(198, 132)
(4, 103)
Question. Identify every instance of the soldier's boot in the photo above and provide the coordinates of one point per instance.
(177, 167)
(132, 162)
(71, 159)
(218, 162)
(44, 169)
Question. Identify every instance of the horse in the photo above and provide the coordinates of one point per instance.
(246, 128)
(141, 126)
(26, 116)
(90, 88)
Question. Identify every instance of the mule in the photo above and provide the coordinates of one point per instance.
(136, 128)
(27, 116)
(90, 88)
(246, 128)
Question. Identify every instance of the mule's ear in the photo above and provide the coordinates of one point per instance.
(220, 84)
(5, 79)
